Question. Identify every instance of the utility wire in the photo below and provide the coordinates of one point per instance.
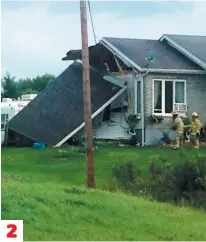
(95, 39)
(90, 12)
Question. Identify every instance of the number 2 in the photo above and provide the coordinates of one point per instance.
(11, 233)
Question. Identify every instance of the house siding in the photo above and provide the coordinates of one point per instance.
(196, 100)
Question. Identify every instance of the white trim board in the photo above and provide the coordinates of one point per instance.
(184, 51)
(61, 142)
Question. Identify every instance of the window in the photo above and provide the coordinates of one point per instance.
(169, 95)
(4, 117)
(2, 126)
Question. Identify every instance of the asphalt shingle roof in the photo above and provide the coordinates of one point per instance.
(166, 57)
(196, 45)
(59, 108)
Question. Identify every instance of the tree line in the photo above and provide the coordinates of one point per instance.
(13, 88)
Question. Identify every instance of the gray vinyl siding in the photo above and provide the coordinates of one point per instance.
(131, 94)
(196, 100)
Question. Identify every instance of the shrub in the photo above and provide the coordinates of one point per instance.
(190, 181)
(184, 181)
(126, 176)
(180, 183)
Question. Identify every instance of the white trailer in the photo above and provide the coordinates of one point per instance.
(10, 108)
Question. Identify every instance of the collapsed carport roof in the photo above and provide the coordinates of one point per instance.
(57, 112)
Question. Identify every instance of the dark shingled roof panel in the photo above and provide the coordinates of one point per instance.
(166, 57)
(59, 109)
(196, 45)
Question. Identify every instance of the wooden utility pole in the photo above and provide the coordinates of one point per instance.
(87, 95)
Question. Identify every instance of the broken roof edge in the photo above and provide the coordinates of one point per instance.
(183, 51)
(120, 55)
(61, 142)
(75, 54)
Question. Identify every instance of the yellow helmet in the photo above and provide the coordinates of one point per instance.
(194, 114)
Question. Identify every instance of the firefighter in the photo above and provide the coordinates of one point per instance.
(195, 128)
(178, 125)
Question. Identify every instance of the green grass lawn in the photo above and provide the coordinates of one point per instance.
(49, 194)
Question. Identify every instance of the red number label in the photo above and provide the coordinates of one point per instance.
(11, 233)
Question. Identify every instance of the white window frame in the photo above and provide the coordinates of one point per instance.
(163, 95)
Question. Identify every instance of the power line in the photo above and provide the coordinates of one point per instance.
(95, 39)
(90, 13)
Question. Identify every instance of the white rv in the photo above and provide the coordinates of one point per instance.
(10, 108)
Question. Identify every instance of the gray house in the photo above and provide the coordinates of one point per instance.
(151, 77)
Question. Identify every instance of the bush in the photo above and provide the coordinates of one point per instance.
(180, 183)
(190, 181)
(127, 176)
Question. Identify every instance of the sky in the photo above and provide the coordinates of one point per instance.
(35, 35)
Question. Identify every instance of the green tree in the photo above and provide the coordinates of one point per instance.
(9, 86)
(40, 82)
(14, 89)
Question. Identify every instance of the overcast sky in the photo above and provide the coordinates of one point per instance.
(36, 35)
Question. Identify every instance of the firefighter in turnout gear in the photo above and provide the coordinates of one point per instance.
(178, 125)
(195, 128)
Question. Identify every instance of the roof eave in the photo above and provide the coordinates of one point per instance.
(184, 51)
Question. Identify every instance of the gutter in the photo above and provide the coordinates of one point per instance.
(141, 77)
(175, 71)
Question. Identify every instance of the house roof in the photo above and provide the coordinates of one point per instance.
(194, 47)
(173, 53)
(59, 109)
(166, 57)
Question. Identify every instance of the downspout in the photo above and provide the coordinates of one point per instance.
(141, 77)
(135, 89)
(142, 105)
